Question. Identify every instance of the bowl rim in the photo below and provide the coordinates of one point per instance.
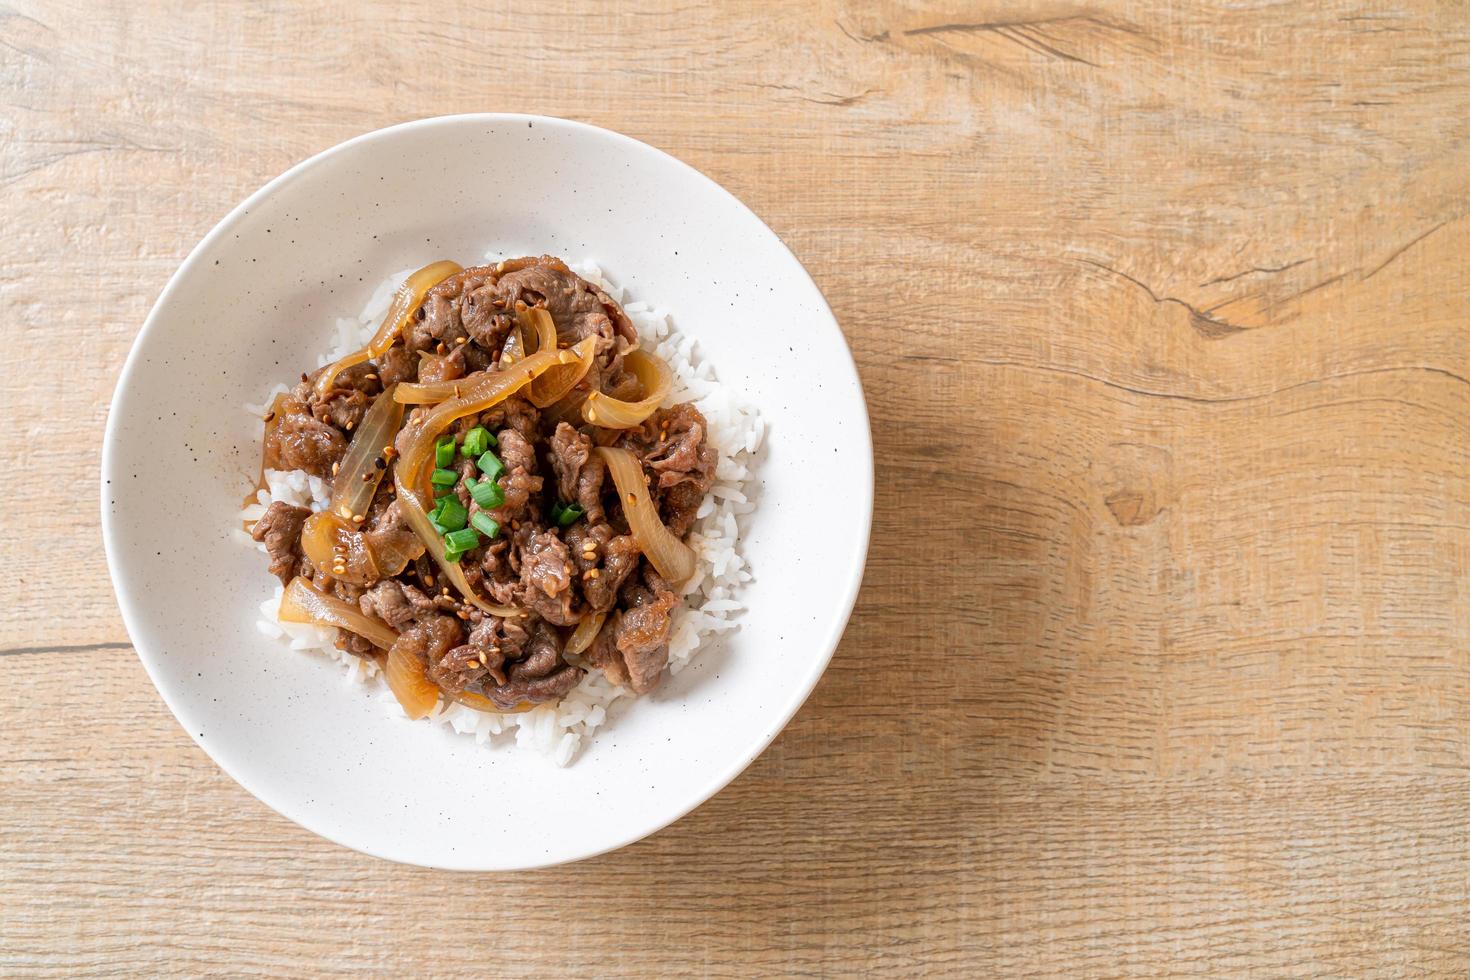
(862, 484)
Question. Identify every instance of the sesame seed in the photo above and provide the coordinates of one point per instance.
(268, 416)
(379, 464)
(632, 499)
(482, 658)
(335, 468)
(349, 425)
(460, 340)
(357, 518)
(367, 478)
(371, 377)
(429, 578)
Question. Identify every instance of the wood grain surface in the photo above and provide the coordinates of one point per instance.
(1162, 664)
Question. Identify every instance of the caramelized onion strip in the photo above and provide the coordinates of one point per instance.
(408, 297)
(673, 559)
(303, 602)
(613, 413)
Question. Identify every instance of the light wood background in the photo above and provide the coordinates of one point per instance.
(1162, 665)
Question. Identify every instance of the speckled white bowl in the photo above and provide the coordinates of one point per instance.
(253, 304)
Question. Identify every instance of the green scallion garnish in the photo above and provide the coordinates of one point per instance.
(476, 441)
(490, 465)
(489, 525)
(444, 478)
(452, 514)
(565, 514)
(487, 494)
(466, 539)
(444, 451)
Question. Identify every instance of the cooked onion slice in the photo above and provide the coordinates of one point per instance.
(427, 392)
(338, 549)
(481, 703)
(408, 297)
(305, 603)
(552, 386)
(673, 558)
(586, 631)
(357, 478)
(569, 409)
(537, 322)
(613, 413)
(409, 682)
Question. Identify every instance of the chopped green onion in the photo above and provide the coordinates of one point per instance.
(452, 514)
(490, 465)
(476, 441)
(487, 494)
(486, 523)
(444, 478)
(444, 451)
(565, 514)
(467, 539)
(453, 556)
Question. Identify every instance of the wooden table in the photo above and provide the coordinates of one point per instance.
(1162, 664)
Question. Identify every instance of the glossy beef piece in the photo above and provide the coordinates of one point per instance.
(279, 529)
(542, 676)
(397, 365)
(464, 305)
(448, 367)
(386, 527)
(346, 402)
(578, 308)
(298, 441)
(672, 445)
(355, 645)
(399, 603)
(546, 578)
(430, 637)
(513, 413)
(579, 472)
(602, 560)
(500, 578)
(633, 647)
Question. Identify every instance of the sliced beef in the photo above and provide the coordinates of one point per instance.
(387, 531)
(354, 644)
(578, 308)
(447, 367)
(299, 441)
(633, 648)
(458, 669)
(397, 365)
(514, 413)
(519, 482)
(499, 580)
(464, 305)
(602, 559)
(430, 637)
(541, 676)
(546, 578)
(672, 445)
(279, 528)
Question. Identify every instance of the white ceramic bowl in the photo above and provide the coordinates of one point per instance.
(253, 304)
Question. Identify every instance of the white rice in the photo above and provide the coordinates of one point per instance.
(712, 596)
